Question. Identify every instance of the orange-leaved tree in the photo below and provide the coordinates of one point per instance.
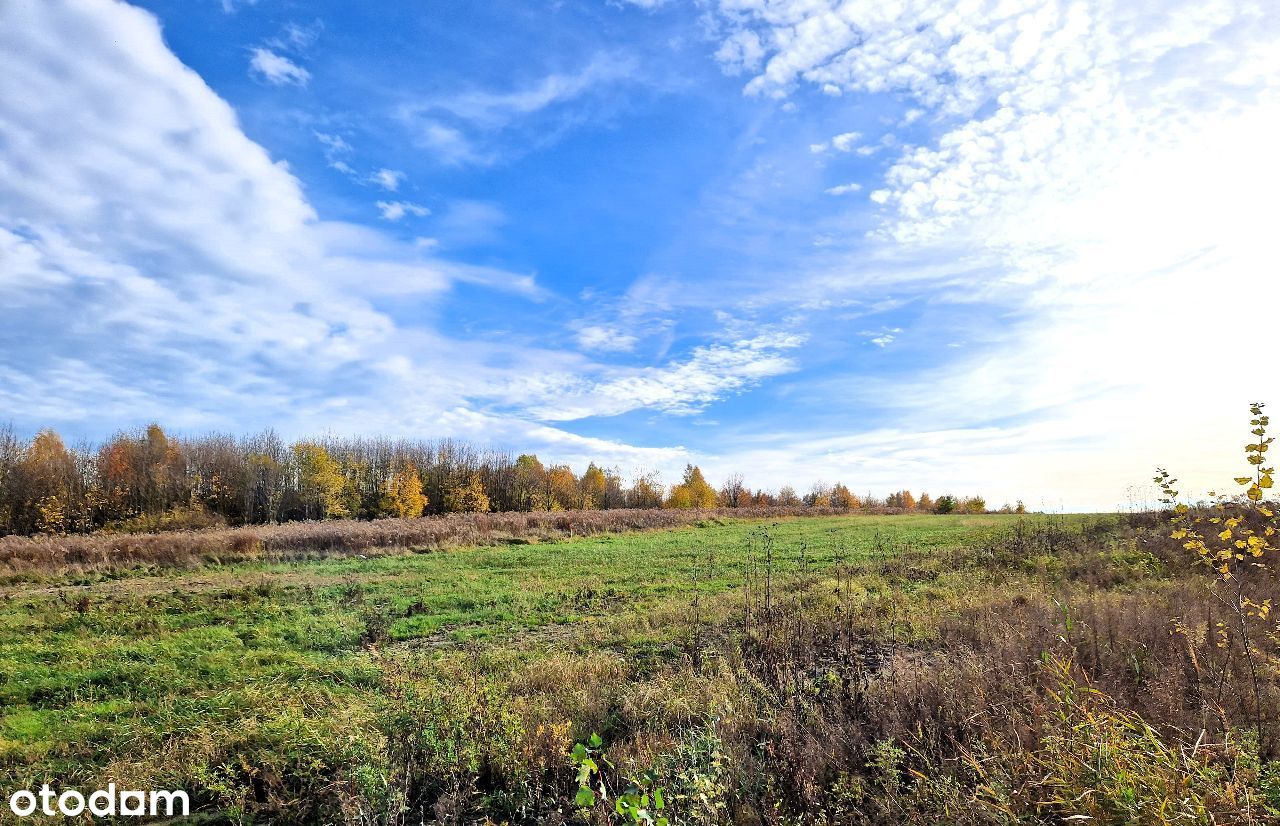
(842, 497)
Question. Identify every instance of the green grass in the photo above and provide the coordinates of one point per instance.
(99, 678)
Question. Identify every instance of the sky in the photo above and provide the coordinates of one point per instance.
(1023, 248)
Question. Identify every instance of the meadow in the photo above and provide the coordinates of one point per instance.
(819, 669)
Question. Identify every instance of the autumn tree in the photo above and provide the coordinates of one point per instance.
(901, 499)
(51, 488)
(402, 494)
(530, 487)
(925, 503)
(149, 480)
(734, 493)
(467, 496)
(266, 468)
(615, 493)
(645, 492)
(218, 477)
(693, 491)
(10, 457)
(592, 486)
(562, 487)
(320, 482)
(842, 497)
(819, 496)
(164, 473)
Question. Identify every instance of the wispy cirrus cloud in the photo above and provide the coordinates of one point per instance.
(458, 126)
(683, 387)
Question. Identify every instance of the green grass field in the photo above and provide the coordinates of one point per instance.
(93, 677)
(815, 670)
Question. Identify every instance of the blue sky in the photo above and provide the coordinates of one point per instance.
(996, 247)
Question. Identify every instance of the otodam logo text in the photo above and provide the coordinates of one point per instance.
(106, 802)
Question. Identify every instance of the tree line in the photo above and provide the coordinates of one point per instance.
(147, 480)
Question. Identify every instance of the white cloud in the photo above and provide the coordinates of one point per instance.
(843, 189)
(846, 141)
(489, 109)
(882, 338)
(333, 143)
(741, 52)
(466, 126)
(605, 339)
(388, 179)
(296, 37)
(395, 210)
(468, 221)
(1098, 172)
(450, 145)
(708, 374)
(160, 264)
(277, 69)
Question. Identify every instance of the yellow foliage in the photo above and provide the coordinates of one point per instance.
(468, 497)
(1226, 548)
(321, 481)
(402, 495)
(692, 492)
(53, 516)
(593, 487)
(563, 488)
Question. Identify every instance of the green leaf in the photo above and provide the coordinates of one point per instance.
(585, 797)
(657, 799)
(595, 741)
